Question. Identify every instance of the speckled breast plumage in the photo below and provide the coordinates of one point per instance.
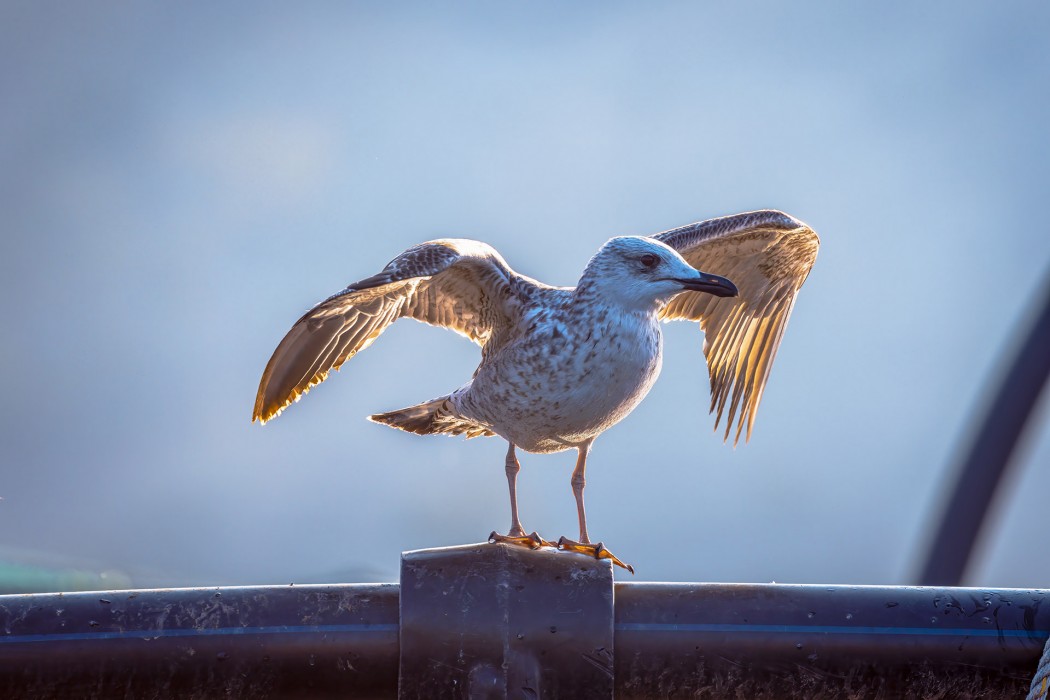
(575, 370)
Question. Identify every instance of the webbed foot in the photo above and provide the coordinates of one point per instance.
(533, 541)
(598, 551)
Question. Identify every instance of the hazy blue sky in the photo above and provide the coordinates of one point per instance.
(180, 181)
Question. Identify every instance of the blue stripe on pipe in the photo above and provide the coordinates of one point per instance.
(621, 627)
(814, 629)
(147, 635)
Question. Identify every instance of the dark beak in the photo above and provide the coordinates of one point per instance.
(710, 284)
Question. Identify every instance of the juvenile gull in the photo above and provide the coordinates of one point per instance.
(560, 365)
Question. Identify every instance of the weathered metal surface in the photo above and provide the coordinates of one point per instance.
(494, 621)
(271, 641)
(787, 641)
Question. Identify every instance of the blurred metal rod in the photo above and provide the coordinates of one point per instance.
(989, 454)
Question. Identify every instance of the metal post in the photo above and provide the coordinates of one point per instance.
(499, 621)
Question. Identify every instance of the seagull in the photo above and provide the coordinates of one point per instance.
(561, 365)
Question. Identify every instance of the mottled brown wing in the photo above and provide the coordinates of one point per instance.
(456, 283)
(768, 255)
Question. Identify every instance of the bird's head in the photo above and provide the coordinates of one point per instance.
(643, 273)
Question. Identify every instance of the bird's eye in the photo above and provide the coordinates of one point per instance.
(649, 260)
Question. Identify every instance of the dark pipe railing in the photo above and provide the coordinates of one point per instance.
(269, 641)
(793, 641)
(705, 640)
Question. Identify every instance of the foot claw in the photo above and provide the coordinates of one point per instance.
(540, 542)
(598, 551)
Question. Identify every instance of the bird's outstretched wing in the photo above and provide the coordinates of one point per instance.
(456, 283)
(767, 255)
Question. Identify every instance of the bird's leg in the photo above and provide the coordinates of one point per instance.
(517, 532)
(584, 546)
(513, 467)
(578, 481)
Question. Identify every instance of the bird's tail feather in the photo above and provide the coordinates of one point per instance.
(431, 417)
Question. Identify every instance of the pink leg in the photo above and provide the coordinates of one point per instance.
(584, 546)
(517, 532)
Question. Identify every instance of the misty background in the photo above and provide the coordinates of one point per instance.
(179, 182)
